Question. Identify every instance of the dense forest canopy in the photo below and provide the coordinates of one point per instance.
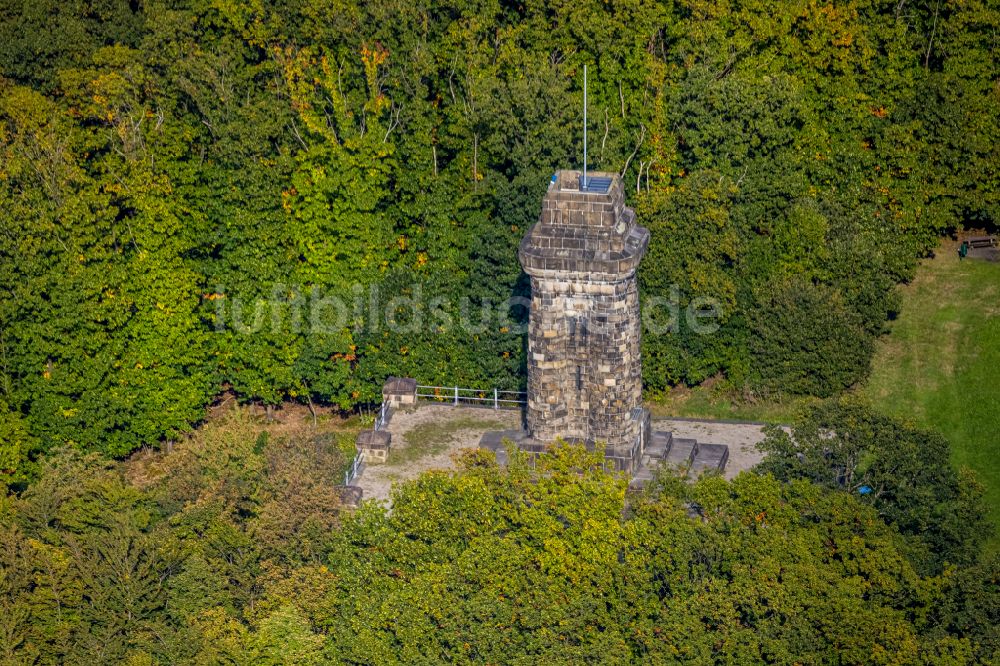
(180, 180)
(235, 549)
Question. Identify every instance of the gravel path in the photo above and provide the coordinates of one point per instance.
(452, 429)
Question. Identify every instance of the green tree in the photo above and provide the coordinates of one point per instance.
(806, 339)
(903, 472)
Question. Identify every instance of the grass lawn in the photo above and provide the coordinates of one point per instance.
(706, 402)
(428, 439)
(940, 366)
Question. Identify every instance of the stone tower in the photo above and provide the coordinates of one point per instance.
(584, 369)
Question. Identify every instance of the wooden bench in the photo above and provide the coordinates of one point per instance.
(981, 241)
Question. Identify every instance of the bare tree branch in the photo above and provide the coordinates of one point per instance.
(638, 144)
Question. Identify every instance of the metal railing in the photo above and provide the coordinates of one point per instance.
(383, 416)
(457, 395)
(352, 472)
(356, 465)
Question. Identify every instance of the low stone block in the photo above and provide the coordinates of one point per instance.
(710, 457)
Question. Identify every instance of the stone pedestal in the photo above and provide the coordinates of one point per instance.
(374, 444)
(584, 367)
(400, 391)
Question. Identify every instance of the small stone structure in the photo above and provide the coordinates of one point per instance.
(399, 392)
(584, 368)
(374, 444)
(351, 495)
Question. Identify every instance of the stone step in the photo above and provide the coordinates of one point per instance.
(659, 443)
(643, 473)
(642, 476)
(682, 451)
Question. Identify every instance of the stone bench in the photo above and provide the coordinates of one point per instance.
(659, 443)
(681, 452)
(710, 457)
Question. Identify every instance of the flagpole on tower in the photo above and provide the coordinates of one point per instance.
(584, 127)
